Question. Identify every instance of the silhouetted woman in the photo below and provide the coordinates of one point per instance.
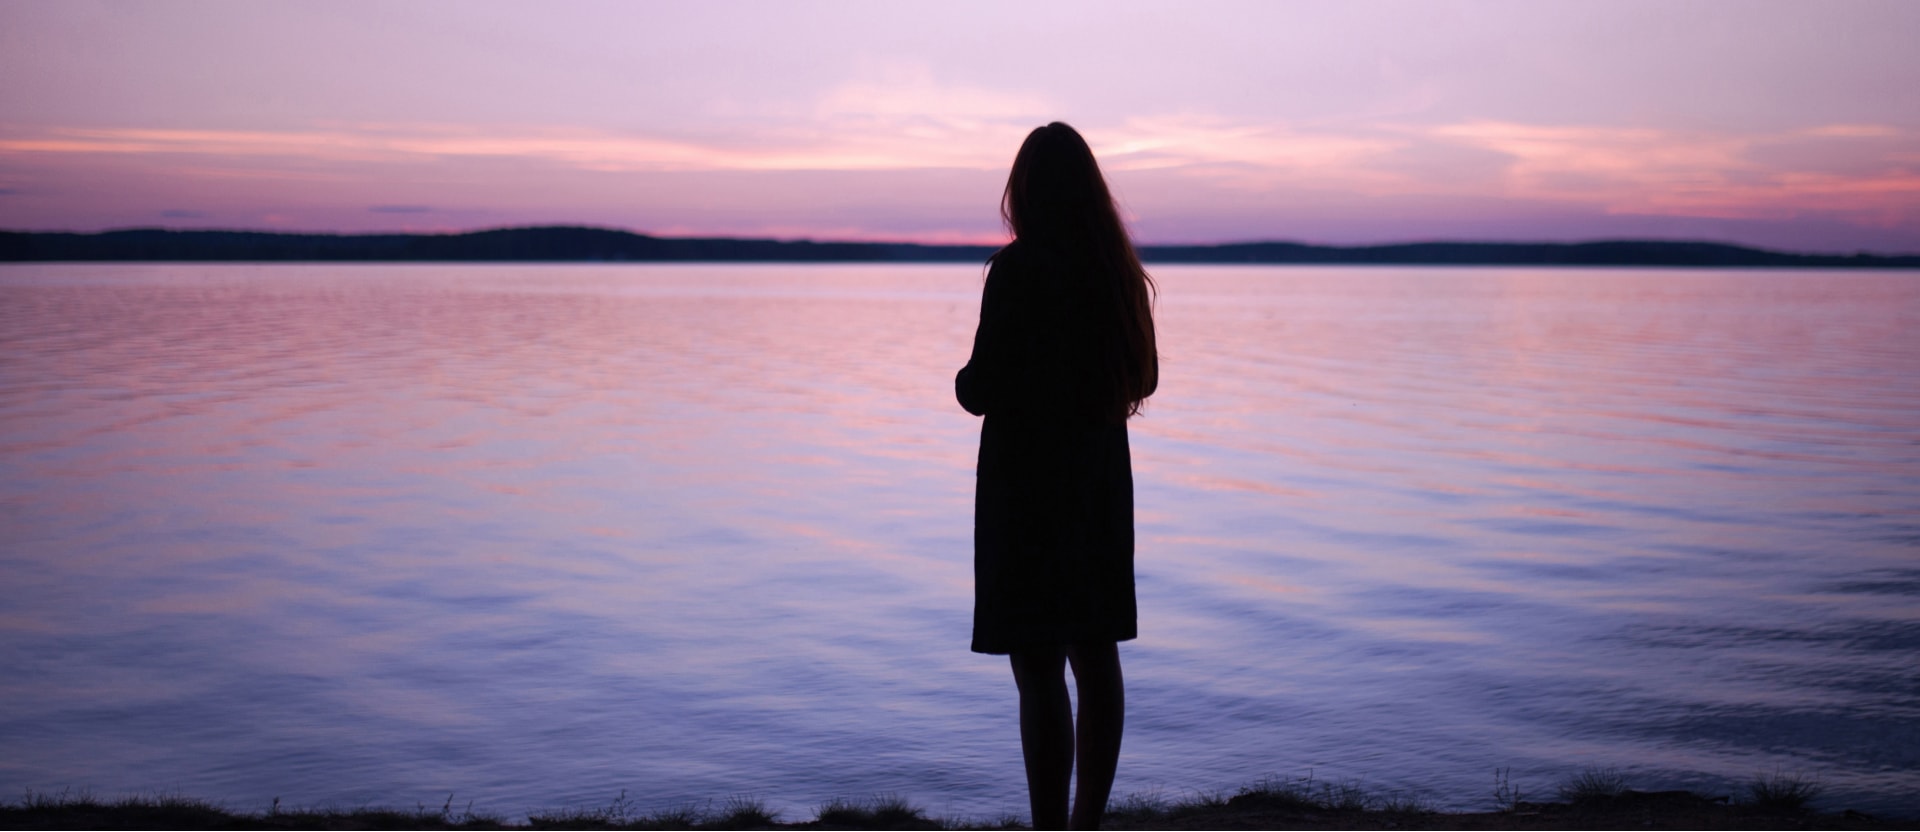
(1064, 354)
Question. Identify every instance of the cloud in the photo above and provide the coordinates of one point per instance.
(892, 117)
(1691, 173)
(899, 117)
(1854, 131)
(1173, 141)
(791, 149)
(896, 93)
(892, 124)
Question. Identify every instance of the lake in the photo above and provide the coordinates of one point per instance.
(533, 535)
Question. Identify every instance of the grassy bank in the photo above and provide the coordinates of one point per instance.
(1597, 799)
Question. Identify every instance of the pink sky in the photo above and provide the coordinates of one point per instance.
(1785, 125)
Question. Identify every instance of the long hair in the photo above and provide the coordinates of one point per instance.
(1057, 199)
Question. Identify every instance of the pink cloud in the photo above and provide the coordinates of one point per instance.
(1692, 173)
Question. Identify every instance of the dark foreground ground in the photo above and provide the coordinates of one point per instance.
(1592, 803)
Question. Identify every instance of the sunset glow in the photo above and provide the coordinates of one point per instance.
(1781, 125)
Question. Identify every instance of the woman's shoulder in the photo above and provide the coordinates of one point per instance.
(1011, 266)
(1011, 255)
(1021, 255)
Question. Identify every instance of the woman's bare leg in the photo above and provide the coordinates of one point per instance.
(1096, 675)
(1046, 733)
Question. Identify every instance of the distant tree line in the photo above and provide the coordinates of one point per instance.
(573, 244)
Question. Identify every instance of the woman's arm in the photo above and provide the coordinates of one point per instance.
(987, 379)
(981, 383)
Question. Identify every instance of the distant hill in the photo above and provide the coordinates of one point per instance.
(559, 243)
(573, 244)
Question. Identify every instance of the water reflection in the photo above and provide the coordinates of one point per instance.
(539, 534)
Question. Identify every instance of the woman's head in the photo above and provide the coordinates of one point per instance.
(1056, 198)
(1055, 190)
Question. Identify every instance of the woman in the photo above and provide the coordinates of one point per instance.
(1064, 354)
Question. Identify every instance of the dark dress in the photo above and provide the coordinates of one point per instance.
(1053, 500)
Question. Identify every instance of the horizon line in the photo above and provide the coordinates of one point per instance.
(910, 242)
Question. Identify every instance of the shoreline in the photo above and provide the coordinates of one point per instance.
(1597, 799)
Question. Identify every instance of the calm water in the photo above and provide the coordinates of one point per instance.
(537, 534)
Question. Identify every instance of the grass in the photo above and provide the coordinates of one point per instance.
(1142, 807)
(1593, 785)
(81, 810)
(737, 812)
(1272, 794)
(1506, 795)
(161, 810)
(745, 812)
(1304, 793)
(886, 811)
(1782, 792)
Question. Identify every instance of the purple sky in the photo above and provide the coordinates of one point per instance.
(1786, 125)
